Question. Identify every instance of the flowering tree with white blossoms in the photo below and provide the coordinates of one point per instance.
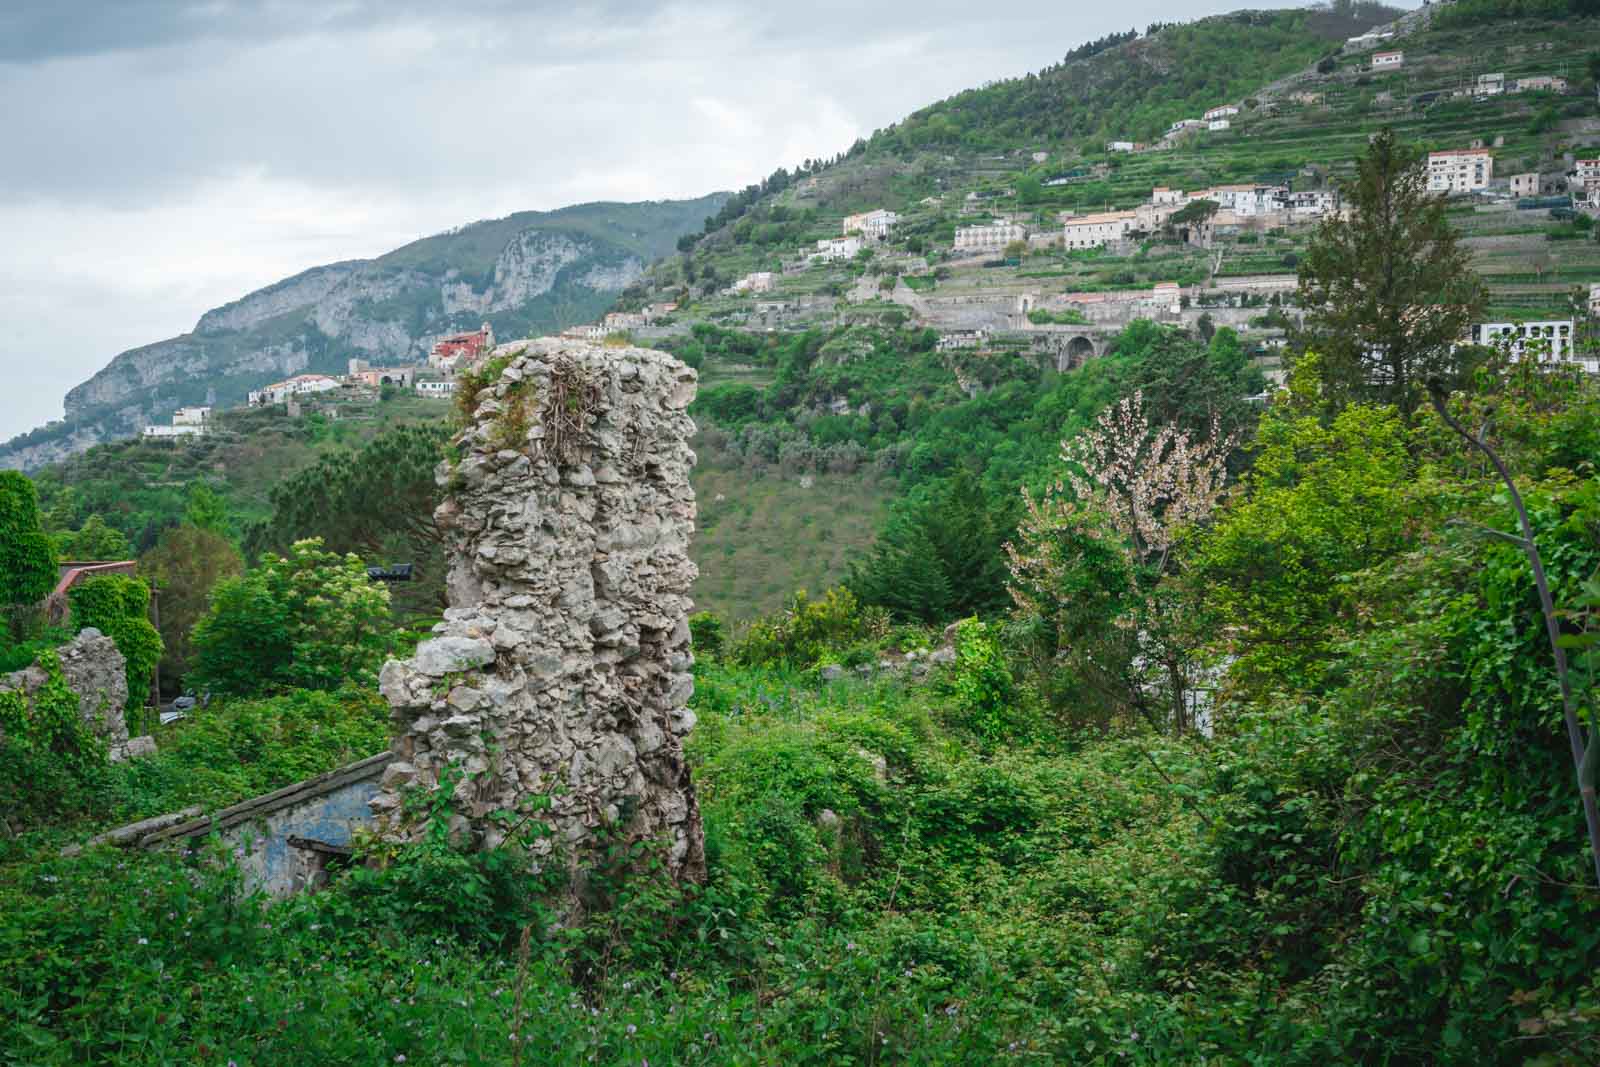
(1092, 553)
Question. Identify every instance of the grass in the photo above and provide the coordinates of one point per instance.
(762, 536)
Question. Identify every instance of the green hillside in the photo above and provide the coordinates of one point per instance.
(1135, 89)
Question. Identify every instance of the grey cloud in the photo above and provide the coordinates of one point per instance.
(36, 30)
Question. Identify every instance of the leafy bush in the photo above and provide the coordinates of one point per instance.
(311, 620)
(231, 749)
(118, 605)
(707, 633)
(27, 558)
(809, 630)
(50, 759)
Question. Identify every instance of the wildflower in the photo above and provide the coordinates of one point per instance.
(144, 941)
(632, 1029)
(399, 1057)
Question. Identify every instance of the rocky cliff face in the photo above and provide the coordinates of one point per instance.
(526, 274)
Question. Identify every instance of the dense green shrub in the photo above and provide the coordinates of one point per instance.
(27, 557)
(809, 630)
(311, 620)
(50, 758)
(118, 605)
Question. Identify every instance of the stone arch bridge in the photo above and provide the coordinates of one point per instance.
(1067, 347)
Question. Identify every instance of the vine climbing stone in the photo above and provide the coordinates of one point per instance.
(561, 668)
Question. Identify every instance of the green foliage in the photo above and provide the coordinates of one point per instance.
(185, 565)
(707, 633)
(1103, 95)
(118, 605)
(27, 558)
(309, 620)
(95, 541)
(50, 758)
(939, 555)
(805, 632)
(1321, 503)
(983, 693)
(377, 502)
(206, 510)
(1481, 12)
(1388, 294)
(481, 897)
(228, 750)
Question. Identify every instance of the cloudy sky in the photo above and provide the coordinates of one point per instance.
(160, 157)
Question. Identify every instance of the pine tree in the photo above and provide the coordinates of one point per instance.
(1389, 294)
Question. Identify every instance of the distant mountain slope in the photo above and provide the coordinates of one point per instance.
(1122, 89)
(526, 273)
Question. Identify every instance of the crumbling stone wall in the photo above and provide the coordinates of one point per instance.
(562, 666)
(94, 670)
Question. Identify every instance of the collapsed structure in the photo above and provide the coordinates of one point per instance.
(561, 668)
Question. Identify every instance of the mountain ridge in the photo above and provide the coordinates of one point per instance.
(527, 272)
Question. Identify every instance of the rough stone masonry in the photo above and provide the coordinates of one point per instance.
(562, 665)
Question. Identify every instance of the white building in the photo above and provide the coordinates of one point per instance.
(958, 339)
(1594, 300)
(1542, 83)
(1314, 203)
(1459, 170)
(836, 249)
(759, 282)
(1588, 172)
(1162, 196)
(1525, 184)
(1096, 231)
(1218, 125)
(1247, 201)
(1490, 84)
(300, 384)
(191, 416)
(1122, 146)
(1388, 60)
(1186, 126)
(1551, 339)
(1222, 112)
(1167, 295)
(444, 387)
(1370, 39)
(989, 236)
(871, 224)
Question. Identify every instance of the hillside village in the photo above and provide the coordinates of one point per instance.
(990, 256)
(1051, 250)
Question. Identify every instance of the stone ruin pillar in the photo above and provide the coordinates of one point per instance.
(562, 665)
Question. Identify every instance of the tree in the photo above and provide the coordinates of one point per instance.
(27, 558)
(311, 620)
(1390, 293)
(1192, 212)
(95, 541)
(1323, 500)
(118, 605)
(205, 509)
(1131, 491)
(185, 565)
(938, 557)
(377, 502)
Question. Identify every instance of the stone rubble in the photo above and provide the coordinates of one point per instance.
(561, 668)
(94, 670)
